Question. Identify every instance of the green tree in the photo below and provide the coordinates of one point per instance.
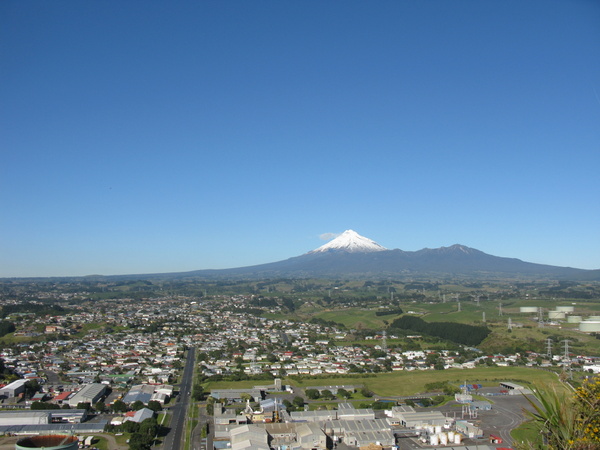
(298, 401)
(119, 406)
(100, 406)
(154, 405)
(137, 405)
(313, 394)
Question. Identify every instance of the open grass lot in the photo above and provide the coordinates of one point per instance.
(527, 432)
(406, 383)
(356, 318)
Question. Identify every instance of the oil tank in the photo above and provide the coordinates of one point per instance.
(48, 442)
(574, 319)
(566, 309)
(434, 439)
(457, 438)
(528, 309)
(554, 315)
(590, 326)
(593, 318)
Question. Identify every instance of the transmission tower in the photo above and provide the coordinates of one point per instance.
(509, 323)
(540, 318)
(458, 306)
(549, 347)
(500, 310)
(483, 316)
(384, 342)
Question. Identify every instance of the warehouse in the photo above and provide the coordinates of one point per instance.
(91, 393)
(13, 389)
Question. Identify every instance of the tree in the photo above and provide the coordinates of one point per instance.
(298, 401)
(327, 394)
(84, 405)
(100, 406)
(343, 393)
(137, 405)
(366, 392)
(119, 406)
(313, 394)
(154, 405)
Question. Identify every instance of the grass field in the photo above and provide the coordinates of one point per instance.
(407, 383)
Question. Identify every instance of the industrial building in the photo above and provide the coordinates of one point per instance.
(13, 389)
(91, 393)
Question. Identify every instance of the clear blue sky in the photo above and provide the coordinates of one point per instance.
(152, 136)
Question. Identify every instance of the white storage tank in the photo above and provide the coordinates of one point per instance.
(554, 315)
(438, 429)
(457, 438)
(593, 318)
(590, 326)
(451, 435)
(434, 439)
(443, 439)
(574, 319)
(566, 309)
(528, 309)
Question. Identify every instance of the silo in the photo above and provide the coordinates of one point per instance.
(590, 326)
(528, 309)
(48, 442)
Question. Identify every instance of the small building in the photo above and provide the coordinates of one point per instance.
(13, 389)
(140, 415)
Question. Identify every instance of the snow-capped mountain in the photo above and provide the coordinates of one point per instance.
(350, 242)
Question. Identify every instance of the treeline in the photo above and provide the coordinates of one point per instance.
(456, 332)
(389, 312)
(27, 307)
(6, 327)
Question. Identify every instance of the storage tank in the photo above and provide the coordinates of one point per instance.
(574, 319)
(457, 438)
(48, 442)
(593, 318)
(434, 439)
(528, 309)
(590, 326)
(451, 435)
(566, 309)
(553, 315)
(438, 429)
(443, 439)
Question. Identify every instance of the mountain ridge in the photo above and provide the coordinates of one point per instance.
(352, 255)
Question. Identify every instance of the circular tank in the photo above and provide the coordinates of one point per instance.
(590, 326)
(556, 315)
(457, 438)
(593, 318)
(528, 309)
(443, 439)
(451, 436)
(434, 439)
(565, 308)
(48, 442)
(574, 319)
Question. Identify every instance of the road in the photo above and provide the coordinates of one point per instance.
(172, 440)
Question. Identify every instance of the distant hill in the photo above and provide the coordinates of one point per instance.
(352, 255)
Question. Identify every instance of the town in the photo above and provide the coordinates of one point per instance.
(113, 372)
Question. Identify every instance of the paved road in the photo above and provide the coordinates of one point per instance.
(173, 439)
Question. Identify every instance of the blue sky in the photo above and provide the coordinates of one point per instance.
(147, 136)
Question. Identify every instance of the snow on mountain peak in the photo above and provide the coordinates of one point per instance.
(351, 242)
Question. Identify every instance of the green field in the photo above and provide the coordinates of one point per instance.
(404, 383)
